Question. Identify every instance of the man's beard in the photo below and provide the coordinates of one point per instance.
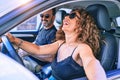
(47, 24)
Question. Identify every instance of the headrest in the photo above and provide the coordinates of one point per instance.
(59, 18)
(100, 13)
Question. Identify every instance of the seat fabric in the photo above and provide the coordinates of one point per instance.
(108, 50)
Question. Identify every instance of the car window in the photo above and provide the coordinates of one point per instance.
(118, 21)
(30, 24)
(66, 9)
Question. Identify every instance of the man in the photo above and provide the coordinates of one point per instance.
(46, 34)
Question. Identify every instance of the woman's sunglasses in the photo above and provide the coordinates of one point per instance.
(72, 15)
(45, 16)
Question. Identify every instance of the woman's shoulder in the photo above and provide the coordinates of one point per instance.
(83, 45)
(85, 51)
(84, 48)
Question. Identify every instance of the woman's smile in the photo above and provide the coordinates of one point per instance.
(65, 22)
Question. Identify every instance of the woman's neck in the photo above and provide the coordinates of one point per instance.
(71, 38)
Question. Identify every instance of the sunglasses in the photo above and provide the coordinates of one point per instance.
(45, 16)
(72, 15)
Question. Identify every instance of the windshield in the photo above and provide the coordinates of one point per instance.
(9, 5)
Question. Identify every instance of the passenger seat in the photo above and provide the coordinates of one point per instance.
(60, 14)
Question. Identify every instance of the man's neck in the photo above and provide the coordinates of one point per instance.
(48, 27)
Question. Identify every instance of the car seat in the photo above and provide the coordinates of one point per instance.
(60, 14)
(108, 50)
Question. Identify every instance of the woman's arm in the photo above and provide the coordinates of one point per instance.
(33, 48)
(92, 66)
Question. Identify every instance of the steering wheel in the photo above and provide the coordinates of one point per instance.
(11, 50)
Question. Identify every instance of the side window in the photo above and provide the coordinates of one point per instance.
(117, 25)
(29, 25)
(118, 21)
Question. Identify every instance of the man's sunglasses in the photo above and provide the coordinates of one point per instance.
(45, 16)
(72, 15)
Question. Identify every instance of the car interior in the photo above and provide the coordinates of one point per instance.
(110, 38)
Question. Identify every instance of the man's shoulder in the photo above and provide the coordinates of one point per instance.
(53, 29)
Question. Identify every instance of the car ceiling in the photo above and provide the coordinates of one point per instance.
(113, 9)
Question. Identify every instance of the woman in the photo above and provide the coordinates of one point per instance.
(75, 49)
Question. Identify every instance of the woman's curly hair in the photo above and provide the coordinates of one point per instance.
(89, 34)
